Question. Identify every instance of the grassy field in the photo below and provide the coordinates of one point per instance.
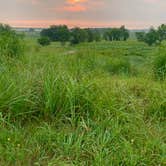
(96, 104)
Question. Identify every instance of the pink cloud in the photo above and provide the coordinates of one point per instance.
(76, 1)
(74, 8)
(74, 23)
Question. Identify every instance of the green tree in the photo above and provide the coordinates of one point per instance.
(89, 35)
(78, 35)
(116, 34)
(59, 33)
(44, 41)
(96, 35)
(162, 32)
(140, 36)
(124, 33)
(151, 37)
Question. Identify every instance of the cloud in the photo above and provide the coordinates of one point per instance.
(76, 1)
(75, 8)
(132, 13)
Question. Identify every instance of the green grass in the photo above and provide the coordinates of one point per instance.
(93, 104)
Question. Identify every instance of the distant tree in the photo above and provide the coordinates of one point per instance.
(162, 32)
(92, 35)
(151, 37)
(59, 33)
(11, 44)
(78, 35)
(89, 35)
(96, 35)
(31, 30)
(44, 41)
(116, 34)
(4, 28)
(106, 35)
(140, 36)
(124, 33)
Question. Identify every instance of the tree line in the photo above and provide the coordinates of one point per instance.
(118, 34)
(63, 34)
(153, 36)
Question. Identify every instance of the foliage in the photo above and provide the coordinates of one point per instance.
(44, 41)
(153, 36)
(162, 32)
(140, 36)
(57, 33)
(116, 34)
(78, 35)
(160, 64)
(11, 44)
(61, 106)
(92, 35)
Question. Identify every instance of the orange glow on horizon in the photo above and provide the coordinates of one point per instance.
(76, 1)
(75, 8)
(75, 23)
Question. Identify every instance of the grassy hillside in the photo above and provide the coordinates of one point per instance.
(93, 104)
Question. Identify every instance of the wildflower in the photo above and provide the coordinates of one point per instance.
(8, 139)
(132, 141)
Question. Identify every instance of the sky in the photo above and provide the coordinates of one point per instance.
(134, 14)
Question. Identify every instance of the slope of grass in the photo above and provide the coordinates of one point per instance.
(92, 104)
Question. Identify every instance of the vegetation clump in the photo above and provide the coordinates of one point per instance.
(11, 44)
(44, 41)
(116, 34)
(63, 34)
(160, 64)
(153, 36)
(80, 105)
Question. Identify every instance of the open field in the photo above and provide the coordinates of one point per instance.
(96, 104)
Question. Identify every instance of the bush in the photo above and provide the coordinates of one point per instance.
(160, 65)
(10, 43)
(44, 41)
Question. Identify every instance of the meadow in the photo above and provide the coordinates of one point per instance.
(96, 104)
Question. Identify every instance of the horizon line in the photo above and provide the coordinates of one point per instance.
(70, 27)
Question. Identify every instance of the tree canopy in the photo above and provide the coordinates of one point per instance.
(57, 33)
(116, 34)
(153, 36)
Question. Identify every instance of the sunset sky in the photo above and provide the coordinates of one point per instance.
(135, 14)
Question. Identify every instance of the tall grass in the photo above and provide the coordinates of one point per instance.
(160, 64)
(81, 106)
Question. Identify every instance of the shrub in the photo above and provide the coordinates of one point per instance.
(44, 41)
(160, 65)
(10, 43)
